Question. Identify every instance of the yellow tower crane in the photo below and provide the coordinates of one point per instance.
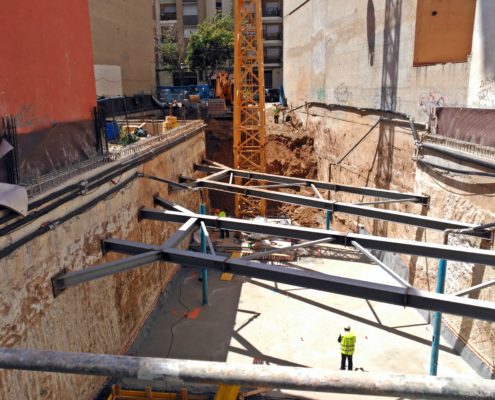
(249, 100)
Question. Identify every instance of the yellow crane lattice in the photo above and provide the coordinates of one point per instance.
(249, 101)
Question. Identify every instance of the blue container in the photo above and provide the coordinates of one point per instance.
(111, 130)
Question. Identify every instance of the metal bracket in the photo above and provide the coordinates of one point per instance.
(56, 289)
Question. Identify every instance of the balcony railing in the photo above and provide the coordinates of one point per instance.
(272, 35)
(272, 60)
(271, 12)
(168, 16)
(191, 20)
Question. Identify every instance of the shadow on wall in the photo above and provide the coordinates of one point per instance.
(390, 75)
(370, 25)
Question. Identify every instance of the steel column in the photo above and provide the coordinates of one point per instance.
(204, 271)
(310, 379)
(437, 318)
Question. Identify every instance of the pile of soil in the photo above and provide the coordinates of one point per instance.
(289, 151)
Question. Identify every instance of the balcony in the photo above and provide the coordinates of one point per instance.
(271, 12)
(168, 16)
(272, 61)
(272, 35)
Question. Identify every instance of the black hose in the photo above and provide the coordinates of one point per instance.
(74, 190)
(45, 228)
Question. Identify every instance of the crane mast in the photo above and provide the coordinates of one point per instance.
(249, 101)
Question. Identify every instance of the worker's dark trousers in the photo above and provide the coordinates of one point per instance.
(349, 362)
(224, 233)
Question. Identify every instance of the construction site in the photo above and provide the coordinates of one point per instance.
(308, 216)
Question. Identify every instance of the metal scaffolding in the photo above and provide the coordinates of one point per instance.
(297, 378)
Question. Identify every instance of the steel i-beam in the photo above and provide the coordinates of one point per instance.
(463, 254)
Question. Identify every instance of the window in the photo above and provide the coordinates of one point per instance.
(218, 6)
(190, 14)
(272, 32)
(444, 31)
(168, 12)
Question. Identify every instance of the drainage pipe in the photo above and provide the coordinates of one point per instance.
(320, 380)
(458, 155)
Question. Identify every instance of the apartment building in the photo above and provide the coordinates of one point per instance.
(185, 15)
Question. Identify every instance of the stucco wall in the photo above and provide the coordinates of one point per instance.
(47, 82)
(338, 56)
(101, 316)
(124, 34)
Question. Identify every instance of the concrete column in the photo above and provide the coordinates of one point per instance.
(201, 10)
(180, 21)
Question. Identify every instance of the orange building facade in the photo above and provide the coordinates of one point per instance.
(47, 82)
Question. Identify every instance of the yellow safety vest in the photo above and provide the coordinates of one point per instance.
(347, 342)
(222, 214)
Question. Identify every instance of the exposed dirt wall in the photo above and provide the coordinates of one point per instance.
(385, 160)
(102, 316)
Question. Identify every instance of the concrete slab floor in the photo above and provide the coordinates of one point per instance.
(249, 319)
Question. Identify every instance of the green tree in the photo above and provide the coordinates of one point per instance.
(211, 47)
(171, 52)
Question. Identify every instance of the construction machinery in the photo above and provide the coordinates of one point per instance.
(249, 101)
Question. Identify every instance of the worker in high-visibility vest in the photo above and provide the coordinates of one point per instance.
(347, 343)
(223, 232)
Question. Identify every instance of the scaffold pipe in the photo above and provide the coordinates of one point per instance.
(320, 380)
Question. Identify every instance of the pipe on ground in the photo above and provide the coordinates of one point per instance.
(160, 369)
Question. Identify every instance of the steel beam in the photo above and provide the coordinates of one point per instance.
(63, 281)
(126, 246)
(381, 264)
(475, 288)
(346, 208)
(335, 284)
(374, 203)
(388, 194)
(463, 254)
(189, 227)
(284, 249)
(309, 379)
(143, 254)
(403, 296)
(207, 236)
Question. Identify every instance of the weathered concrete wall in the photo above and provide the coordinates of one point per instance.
(353, 55)
(124, 34)
(102, 316)
(337, 56)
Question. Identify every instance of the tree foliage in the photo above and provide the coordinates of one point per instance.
(211, 47)
(170, 51)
